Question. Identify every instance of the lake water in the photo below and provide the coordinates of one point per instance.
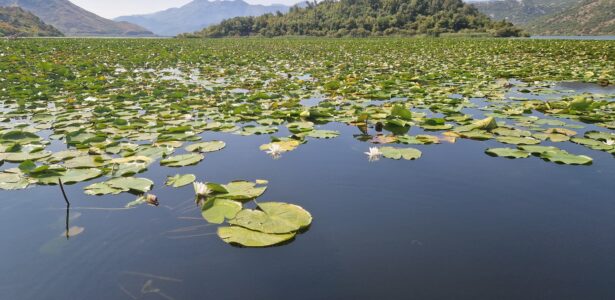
(455, 224)
(575, 37)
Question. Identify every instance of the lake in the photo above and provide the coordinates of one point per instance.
(456, 223)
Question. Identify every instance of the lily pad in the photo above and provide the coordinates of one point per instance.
(323, 134)
(250, 238)
(118, 185)
(399, 153)
(273, 217)
(182, 160)
(563, 157)
(180, 180)
(240, 190)
(507, 152)
(211, 146)
(217, 210)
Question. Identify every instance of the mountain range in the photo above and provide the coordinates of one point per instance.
(73, 20)
(15, 21)
(555, 17)
(198, 14)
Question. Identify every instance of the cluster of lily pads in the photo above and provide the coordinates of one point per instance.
(78, 110)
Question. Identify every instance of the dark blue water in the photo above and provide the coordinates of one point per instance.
(455, 224)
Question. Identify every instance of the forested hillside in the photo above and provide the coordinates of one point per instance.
(365, 18)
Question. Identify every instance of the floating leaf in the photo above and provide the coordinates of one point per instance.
(249, 238)
(323, 134)
(211, 146)
(273, 217)
(182, 160)
(507, 152)
(563, 157)
(118, 185)
(180, 180)
(517, 140)
(399, 153)
(217, 210)
(240, 190)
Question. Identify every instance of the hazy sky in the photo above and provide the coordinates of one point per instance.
(116, 8)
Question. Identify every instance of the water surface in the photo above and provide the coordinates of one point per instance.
(455, 224)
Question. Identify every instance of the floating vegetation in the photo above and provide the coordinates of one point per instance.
(107, 110)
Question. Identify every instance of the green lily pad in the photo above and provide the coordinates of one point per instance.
(538, 149)
(182, 160)
(563, 157)
(23, 156)
(217, 210)
(240, 190)
(323, 134)
(12, 181)
(273, 217)
(507, 152)
(118, 185)
(211, 146)
(250, 238)
(180, 180)
(399, 153)
(421, 139)
(517, 140)
(72, 176)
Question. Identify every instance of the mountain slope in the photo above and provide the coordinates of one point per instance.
(591, 17)
(15, 21)
(74, 20)
(198, 14)
(365, 18)
(523, 11)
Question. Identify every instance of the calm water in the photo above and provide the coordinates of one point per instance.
(575, 37)
(455, 224)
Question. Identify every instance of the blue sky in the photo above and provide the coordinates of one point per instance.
(116, 8)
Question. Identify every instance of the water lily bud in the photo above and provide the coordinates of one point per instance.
(152, 199)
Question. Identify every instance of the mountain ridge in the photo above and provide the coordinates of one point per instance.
(590, 17)
(522, 11)
(198, 14)
(14, 21)
(550, 17)
(73, 20)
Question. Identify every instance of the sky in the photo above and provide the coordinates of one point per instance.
(116, 8)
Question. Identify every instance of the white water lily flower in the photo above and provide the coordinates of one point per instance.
(374, 153)
(610, 142)
(275, 150)
(201, 189)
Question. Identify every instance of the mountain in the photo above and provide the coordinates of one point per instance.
(522, 11)
(365, 18)
(198, 14)
(590, 17)
(73, 20)
(15, 21)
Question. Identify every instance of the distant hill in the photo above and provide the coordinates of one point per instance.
(15, 21)
(522, 11)
(365, 18)
(73, 20)
(591, 17)
(197, 15)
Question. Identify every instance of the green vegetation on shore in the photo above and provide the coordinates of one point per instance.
(362, 18)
